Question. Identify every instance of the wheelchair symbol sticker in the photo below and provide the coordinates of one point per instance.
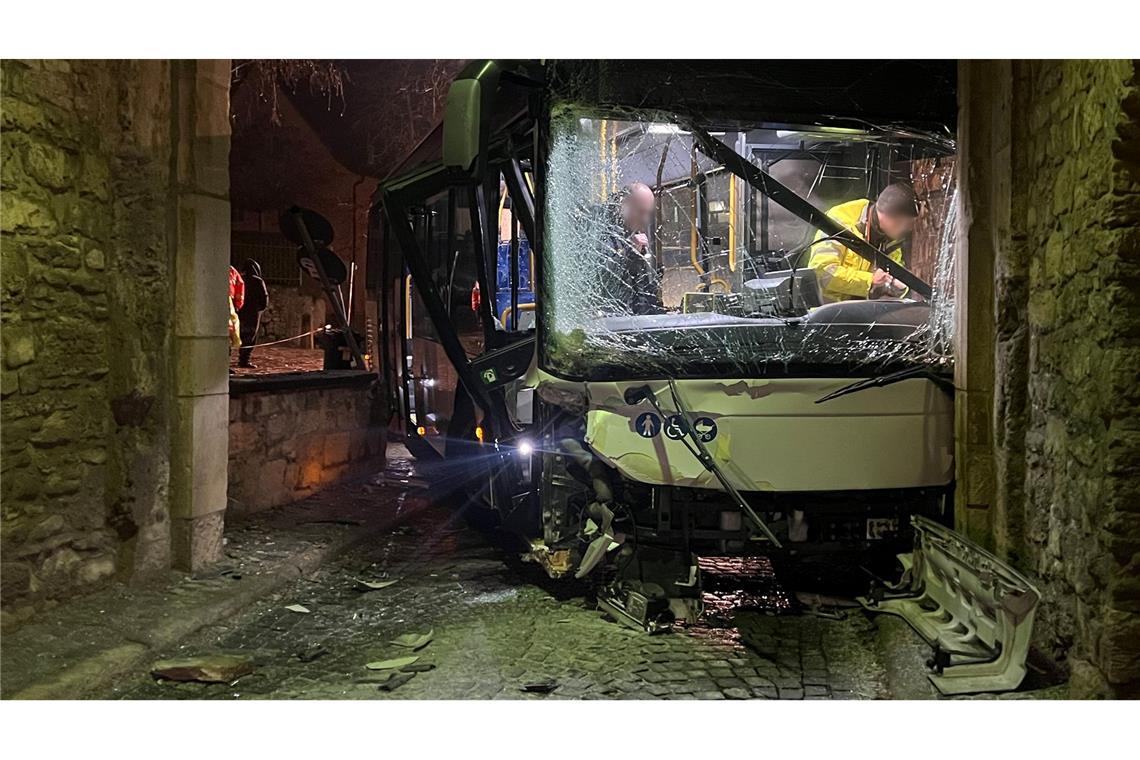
(705, 428)
(675, 427)
(648, 425)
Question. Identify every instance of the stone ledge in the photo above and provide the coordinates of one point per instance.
(291, 381)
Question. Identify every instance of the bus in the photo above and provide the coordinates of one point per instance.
(603, 296)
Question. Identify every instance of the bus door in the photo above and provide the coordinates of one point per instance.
(467, 297)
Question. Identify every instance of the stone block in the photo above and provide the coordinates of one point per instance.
(271, 484)
(201, 268)
(197, 542)
(308, 474)
(202, 366)
(19, 116)
(46, 528)
(1120, 647)
(48, 165)
(94, 259)
(19, 346)
(95, 570)
(199, 456)
(23, 214)
(245, 439)
(334, 473)
(15, 581)
(337, 449)
(9, 382)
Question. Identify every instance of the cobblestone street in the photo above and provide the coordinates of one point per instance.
(499, 625)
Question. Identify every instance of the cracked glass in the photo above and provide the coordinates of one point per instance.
(662, 261)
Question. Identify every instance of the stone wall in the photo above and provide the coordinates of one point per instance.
(292, 312)
(1053, 156)
(96, 242)
(86, 266)
(288, 440)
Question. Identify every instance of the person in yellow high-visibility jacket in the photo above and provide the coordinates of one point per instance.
(884, 223)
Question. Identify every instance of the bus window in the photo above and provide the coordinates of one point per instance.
(513, 312)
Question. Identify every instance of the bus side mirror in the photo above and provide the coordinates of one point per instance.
(467, 116)
(462, 125)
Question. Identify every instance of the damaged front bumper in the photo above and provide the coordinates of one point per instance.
(973, 609)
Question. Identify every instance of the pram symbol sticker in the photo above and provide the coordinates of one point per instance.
(705, 428)
(647, 425)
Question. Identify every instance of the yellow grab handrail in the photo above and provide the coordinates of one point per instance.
(507, 313)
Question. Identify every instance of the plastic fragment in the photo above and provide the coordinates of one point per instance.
(414, 641)
(394, 664)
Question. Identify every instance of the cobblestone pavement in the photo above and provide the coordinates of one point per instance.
(276, 360)
(499, 625)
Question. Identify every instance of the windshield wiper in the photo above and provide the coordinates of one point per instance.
(768, 185)
(878, 381)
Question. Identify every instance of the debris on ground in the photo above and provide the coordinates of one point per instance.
(540, 687)
(219, 668)
(333, 521)
(299, 608)
(225, 571)
(826, 607)
(495, 597)
(414, 641)
(396, 681)
(375, 678)
(394, 664)
(419, 667)
(372, 585)
(312, 653)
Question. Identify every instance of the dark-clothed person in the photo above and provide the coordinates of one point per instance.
(249, 314)
(632, 285)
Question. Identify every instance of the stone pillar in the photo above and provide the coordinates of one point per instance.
(1048, 349)
(984, 148)
(200, 409)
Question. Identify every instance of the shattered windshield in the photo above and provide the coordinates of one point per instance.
(667, 257)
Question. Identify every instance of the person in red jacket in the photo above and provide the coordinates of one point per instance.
(237, 300)
(237, 288)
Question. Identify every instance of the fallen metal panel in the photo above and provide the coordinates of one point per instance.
(973, 609)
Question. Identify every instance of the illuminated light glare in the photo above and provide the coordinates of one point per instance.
(526, 448)
(479, 433)
(421, 430)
